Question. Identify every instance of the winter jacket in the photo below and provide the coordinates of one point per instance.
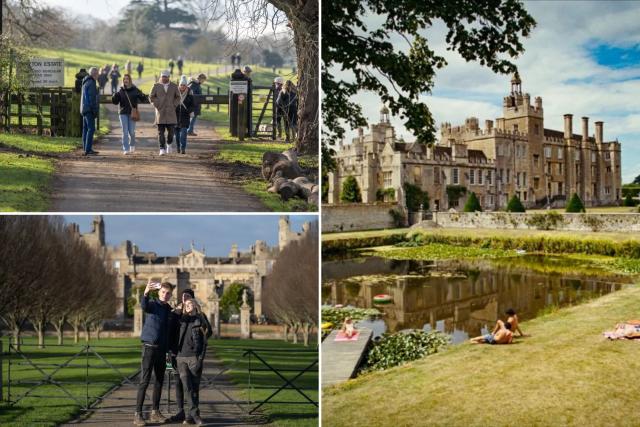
(103, 78)
(156, 325)
(192, 336)
(80, 79)
(165, 103)
(184, 110)
(135, 95)
(196, 89)
(140, 67)
(287, 102)
(89, 101)
(115, 75)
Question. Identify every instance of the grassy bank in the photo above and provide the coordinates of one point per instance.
(58, 408)
(280, 414)
(565, 373)
(27, 165)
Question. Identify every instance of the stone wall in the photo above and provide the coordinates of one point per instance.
(615, 222)
(357, 216)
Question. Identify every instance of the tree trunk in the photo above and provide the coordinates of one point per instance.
(285, 334)
(16, 331)
(39, 326)
(76, 330)
(305, 333)
(294, 331)
(304, 20)
(87, 332)
(59, 325)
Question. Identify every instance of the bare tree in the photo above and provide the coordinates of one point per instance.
(31, 21)
(250, 19)
(291, 290)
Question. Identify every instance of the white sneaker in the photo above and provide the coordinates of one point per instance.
(132, 149)
(162, 152)
(125, 153)
(168, 149)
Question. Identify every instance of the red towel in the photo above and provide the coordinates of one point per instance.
(342, 337)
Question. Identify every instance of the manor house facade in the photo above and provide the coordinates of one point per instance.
(516, 156)
(190, 268)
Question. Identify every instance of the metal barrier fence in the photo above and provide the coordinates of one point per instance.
(255, 359)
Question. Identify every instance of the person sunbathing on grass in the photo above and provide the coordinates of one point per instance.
(513, 320)
(348, 328)
(502, 336)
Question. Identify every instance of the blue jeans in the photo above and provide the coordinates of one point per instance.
(192, 124)
(181, 138)
(88, 129)
(128, 131)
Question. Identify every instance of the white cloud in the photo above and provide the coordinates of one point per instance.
(557, 65)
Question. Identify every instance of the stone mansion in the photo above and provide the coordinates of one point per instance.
(191, 268)
(516, 156)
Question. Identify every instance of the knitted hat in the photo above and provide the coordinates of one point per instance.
(165, 73)
(184, 80)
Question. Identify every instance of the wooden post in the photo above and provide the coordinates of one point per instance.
(242, 117)
(218, 93)
(1, 367)
(39, 118)
(208, 90)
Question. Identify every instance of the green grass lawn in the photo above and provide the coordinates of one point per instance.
(53, 410)
(280, 414)
(25, 178)
(565, 373)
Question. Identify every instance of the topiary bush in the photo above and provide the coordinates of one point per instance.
(350, 191)
(575, 205)
(628, 200)
(515, 205)
(473, 204)
(414, 197)
(395, 349)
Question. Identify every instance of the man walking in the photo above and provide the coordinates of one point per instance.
(154, 339)
(89, 108)
(165, 97)
(196, 89)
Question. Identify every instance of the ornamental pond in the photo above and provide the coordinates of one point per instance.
(462, 298)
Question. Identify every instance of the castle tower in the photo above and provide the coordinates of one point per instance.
(284, 231)
(384, 115)
(98, 228)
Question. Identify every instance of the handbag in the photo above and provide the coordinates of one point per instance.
(135, 114)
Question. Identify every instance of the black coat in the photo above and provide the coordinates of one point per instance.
(79, 78)
(196, 89)
(287, 102)
(184, 110)
(120, 98)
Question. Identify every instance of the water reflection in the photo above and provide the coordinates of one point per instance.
(461, 298)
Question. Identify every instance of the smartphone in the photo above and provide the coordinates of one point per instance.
(155, 285)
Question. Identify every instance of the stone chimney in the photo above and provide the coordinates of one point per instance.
(488, 125)
(568, 126)
(538, 101)
(585, 129)
(599, 132)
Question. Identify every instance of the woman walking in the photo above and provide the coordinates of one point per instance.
(287, 102)
(183, 114)
(192, 338)
(114, 75)
(128, 98)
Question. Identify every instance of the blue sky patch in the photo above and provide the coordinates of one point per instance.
(615, 57)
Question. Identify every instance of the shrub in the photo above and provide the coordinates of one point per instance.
(381, 193)
(395, 349)
(473, 204)
(575, 205)
(397, 217)
(545, 221)
(350, 191)
(628, 200)
(515, 205)
(454, 192)
(414, 197)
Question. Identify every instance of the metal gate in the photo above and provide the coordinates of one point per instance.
(82, 358)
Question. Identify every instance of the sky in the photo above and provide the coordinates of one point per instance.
(103, 9)
(165, 234)
(583, 58)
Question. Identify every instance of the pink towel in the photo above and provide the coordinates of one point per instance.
(342, 337)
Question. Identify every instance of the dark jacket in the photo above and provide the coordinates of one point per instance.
(80, 79)
(176, 332)
(156, 325)
(140, 67)
(196, 89)
(287, 102)
(103, 78)
(115, 75)
(89, 101)
(135, 95)
(184, 110)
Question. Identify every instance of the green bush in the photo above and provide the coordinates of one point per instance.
(397, 217)
(628, 200)
(396, 349)
(545, 221)
(414, 197)
(232, 300)
(473, 204)
(515, 205)
(381, 193)
(350, 191)
(454, 192)
(575, 205)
